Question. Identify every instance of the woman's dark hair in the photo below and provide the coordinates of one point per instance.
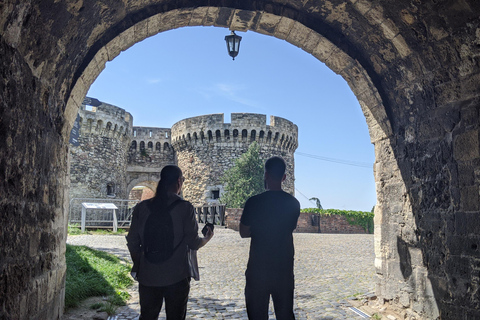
(168, 178)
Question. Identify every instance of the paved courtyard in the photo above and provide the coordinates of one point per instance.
(329, 269)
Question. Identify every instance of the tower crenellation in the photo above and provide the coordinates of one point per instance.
(206, 147)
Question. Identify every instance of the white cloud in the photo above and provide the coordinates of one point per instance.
(235, 93)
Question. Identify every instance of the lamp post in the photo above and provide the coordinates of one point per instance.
(233, 44)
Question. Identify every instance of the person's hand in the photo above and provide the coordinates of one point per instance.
(209, 234)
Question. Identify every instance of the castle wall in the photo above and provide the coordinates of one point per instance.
(98, 164)
(149, 151)
(206, 147)
(112, 152)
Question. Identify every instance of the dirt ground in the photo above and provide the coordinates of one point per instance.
(85, 312)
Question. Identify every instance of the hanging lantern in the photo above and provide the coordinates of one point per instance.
(233, 44)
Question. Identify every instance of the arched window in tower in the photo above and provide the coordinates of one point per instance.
(195, 137)
(110, 189)
(158, 146)
(253, 135)
(235, 133)
(276, 137)
(150, 145)
(217, 136)
(166, 146)
(227, 134)
(134, 132)
(210, 136)
(202, 136)
(99, 125)
(115, 128)
(244, 134)
(89, 125)
(166, 134)
(150, 134)
(108, 128)
(261, 135)
(134, 145)
(269, 136)
(282, 139)
(189, 137)
(142, 145)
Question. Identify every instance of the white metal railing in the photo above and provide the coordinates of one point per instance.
(101, 213)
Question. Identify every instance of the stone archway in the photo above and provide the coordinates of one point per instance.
(413, 66)
(145, 181)
(336, 59)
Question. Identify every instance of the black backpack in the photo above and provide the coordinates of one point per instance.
(158, 233)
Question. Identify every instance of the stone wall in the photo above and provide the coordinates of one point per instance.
(206, 147)
(413, 66)
(338, 224)
(98, 165)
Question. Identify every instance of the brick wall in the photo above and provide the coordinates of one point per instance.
(338, 224)
(232, 218)
(306, 224)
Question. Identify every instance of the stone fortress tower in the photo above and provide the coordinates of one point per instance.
(112, 156)
(98, 162)
(206, 147)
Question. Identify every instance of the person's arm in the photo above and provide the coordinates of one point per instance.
(245, 223)
(133, 238)
(207, 238)
(245, 231)
(194, 242)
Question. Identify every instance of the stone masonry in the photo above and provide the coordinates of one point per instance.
(206, 147)
(113, 156)
(413, 65)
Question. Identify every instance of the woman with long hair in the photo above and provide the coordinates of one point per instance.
(164, 274)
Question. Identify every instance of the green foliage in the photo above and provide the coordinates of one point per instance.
(74, 229)
(359, 218)
(244, 179)
(92, 273)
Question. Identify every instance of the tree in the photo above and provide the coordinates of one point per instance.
(244, 179)
(317, 201)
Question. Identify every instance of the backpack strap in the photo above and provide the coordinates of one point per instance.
(167, 211)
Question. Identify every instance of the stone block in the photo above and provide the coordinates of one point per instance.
(243, 20)
(401, 46)
(298, 34)
(198, 16)
(268, 23)
(141, 31)
(224, 17)
(283, 28)
(183, 17)
(466, 146)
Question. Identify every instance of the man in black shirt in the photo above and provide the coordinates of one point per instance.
(269, 220)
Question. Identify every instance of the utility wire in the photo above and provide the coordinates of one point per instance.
(340, 161)
(302, 194)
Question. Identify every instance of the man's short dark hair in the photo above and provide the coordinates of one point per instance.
(275, 166)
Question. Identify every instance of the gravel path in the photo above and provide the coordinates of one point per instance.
(329, 269)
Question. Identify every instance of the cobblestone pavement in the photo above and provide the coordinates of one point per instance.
(329, 269)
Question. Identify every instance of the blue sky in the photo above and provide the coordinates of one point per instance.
(187, 72)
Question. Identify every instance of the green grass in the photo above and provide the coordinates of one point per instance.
(92, 273)
(74, 229)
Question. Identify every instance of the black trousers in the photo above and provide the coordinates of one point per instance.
(257, 297)
(175, 295)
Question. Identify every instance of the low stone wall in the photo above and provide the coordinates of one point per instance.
(307, 223)
(338, 224)
(232, 218)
